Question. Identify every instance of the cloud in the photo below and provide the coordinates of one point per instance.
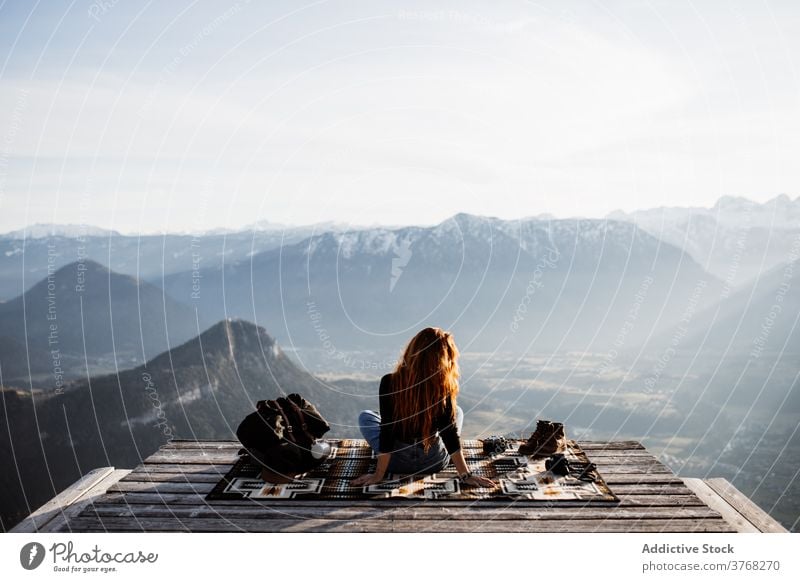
(513, 110)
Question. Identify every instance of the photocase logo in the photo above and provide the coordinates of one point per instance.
(402, 255)
(31, 555)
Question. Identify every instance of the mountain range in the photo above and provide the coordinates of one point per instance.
(200, 389)
(28, 254)
(508, 285)
(759, 235)
(705, 301)
(736, 240)
(83, 312)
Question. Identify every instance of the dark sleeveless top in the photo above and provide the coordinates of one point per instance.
(392, 430)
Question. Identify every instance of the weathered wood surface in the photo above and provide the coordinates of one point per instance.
(178, 499)
(453, 525)
(61, 522)
(56, 513)
(416, 512)
(168, 490)
(717, 503)
(749, 510)
(205, 488)
(167, 493)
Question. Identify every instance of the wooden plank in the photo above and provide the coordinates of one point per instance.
(639, 478)
(572, 525)
(419, 512)
(652, 489)
(200, 440)
(202, 445)
(182, 487)
(39, 518)
(223, 524)
(607, 445)
(220, 469)
(713, 500)
(661, 500)
(746, 508)
(188, 487)
(60, 523)
(628, 469)
(173, 477)
(193, 457)
(199, 500)
(625, 460)
(602, 453)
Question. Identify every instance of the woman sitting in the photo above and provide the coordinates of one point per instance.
(418, 429)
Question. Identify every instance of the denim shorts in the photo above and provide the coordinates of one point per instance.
(411, 458)
(407, 458)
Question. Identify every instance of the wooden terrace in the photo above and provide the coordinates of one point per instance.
(167, 493)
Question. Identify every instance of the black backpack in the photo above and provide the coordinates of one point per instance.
(280, 433)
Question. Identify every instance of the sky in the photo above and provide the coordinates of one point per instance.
(188, 116)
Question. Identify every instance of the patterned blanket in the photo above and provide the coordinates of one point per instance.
(518, 477)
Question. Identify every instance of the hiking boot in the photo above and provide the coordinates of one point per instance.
(546, 440)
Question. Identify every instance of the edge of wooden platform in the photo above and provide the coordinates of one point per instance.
(734, 507)
(56, 513)
(719, 495)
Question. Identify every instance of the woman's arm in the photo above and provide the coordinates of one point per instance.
(377, 476)
(463, 469)
(386, 435)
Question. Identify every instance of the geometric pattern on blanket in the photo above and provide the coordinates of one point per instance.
(519, 478)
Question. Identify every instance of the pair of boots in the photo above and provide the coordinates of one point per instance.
(546, 440)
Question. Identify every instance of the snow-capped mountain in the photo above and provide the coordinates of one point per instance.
(736, 239)
(40, 231)
(779, 212)
(24, 261)
(566, 284)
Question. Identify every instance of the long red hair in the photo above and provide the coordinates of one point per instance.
(425, 381)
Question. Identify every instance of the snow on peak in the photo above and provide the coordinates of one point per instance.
(378, 241)
(733, 204)
(40, 231)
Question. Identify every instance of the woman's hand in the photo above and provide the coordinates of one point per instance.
(366, 479)
(478, 481)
